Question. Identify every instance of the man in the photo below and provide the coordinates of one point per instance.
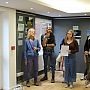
(87, 54)
(48, 44)
(31, 47)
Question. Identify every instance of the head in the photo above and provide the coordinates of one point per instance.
(69, 35)
(48, 31)
(31, 33)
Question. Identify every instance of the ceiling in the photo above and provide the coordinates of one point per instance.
(47, 9)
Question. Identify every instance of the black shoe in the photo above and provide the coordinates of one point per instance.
(44, 78)
(36, 84)
(28, 84)
(52, 81)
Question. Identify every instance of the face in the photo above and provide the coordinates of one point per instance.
(49, 31)
(31, 32)
(69, 34)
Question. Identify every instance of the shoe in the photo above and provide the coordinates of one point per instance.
(36, 84)
(44, 78)
(24, 83)
(87, 85)
(67, 85)
(28, 84)
(52, 81)
(81, 78)
(71, 86)
(87, 82)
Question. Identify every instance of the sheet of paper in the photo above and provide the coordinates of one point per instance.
(20, 27)
(64, 50)
(20, 42)
(20, 35)
(20, 18)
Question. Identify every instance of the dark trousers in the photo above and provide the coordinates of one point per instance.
(46, 57)
(85, 73)
(88, 67)
(32, 64)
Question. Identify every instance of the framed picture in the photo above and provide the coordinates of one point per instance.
(77, 34)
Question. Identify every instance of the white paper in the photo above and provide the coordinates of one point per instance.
(20, 27)
(20, 18)
(64, 50)
(20, 35)
(20, 42)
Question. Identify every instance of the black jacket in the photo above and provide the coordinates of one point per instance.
(87, 44)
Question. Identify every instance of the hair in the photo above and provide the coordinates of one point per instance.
(66, 38)
(29, 30)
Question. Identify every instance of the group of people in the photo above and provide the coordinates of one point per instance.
(32, 47)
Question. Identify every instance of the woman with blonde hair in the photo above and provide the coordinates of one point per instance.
(70, 62)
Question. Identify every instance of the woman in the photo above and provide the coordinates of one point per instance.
(32, 47)
(70, 62)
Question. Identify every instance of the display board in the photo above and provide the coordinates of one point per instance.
(40, 26)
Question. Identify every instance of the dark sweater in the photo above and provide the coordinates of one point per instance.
(73, 46)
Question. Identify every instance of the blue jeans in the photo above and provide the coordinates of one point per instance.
(46, 56)
(70, 68)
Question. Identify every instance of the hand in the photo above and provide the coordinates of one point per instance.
(50, 45)
(89, 53)
(35, 48)
(25, 62)
(69, 51)
(86, 52)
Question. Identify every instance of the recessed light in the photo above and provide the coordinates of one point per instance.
(85, 14)
(48, 12)
(59, 15)
(6, 2)
(31, 8)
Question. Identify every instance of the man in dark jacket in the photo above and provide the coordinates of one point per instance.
(48, 44)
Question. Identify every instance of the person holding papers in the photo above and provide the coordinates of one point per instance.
(68, 50)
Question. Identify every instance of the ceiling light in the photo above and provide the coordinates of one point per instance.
(59, 15)
(85, 14)
(6, 2)
(48, 12)
(31, 8)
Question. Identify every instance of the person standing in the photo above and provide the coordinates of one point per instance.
(32, 47)
(70, 62)
(87, 55)
(48, 44)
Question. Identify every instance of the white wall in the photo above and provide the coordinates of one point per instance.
(8, 40)
(1, 51)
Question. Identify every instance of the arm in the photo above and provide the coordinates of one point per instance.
(53, 44)
(76, 47)
(42, 39)
(62, 42)
(86, 45)
(38, 46)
